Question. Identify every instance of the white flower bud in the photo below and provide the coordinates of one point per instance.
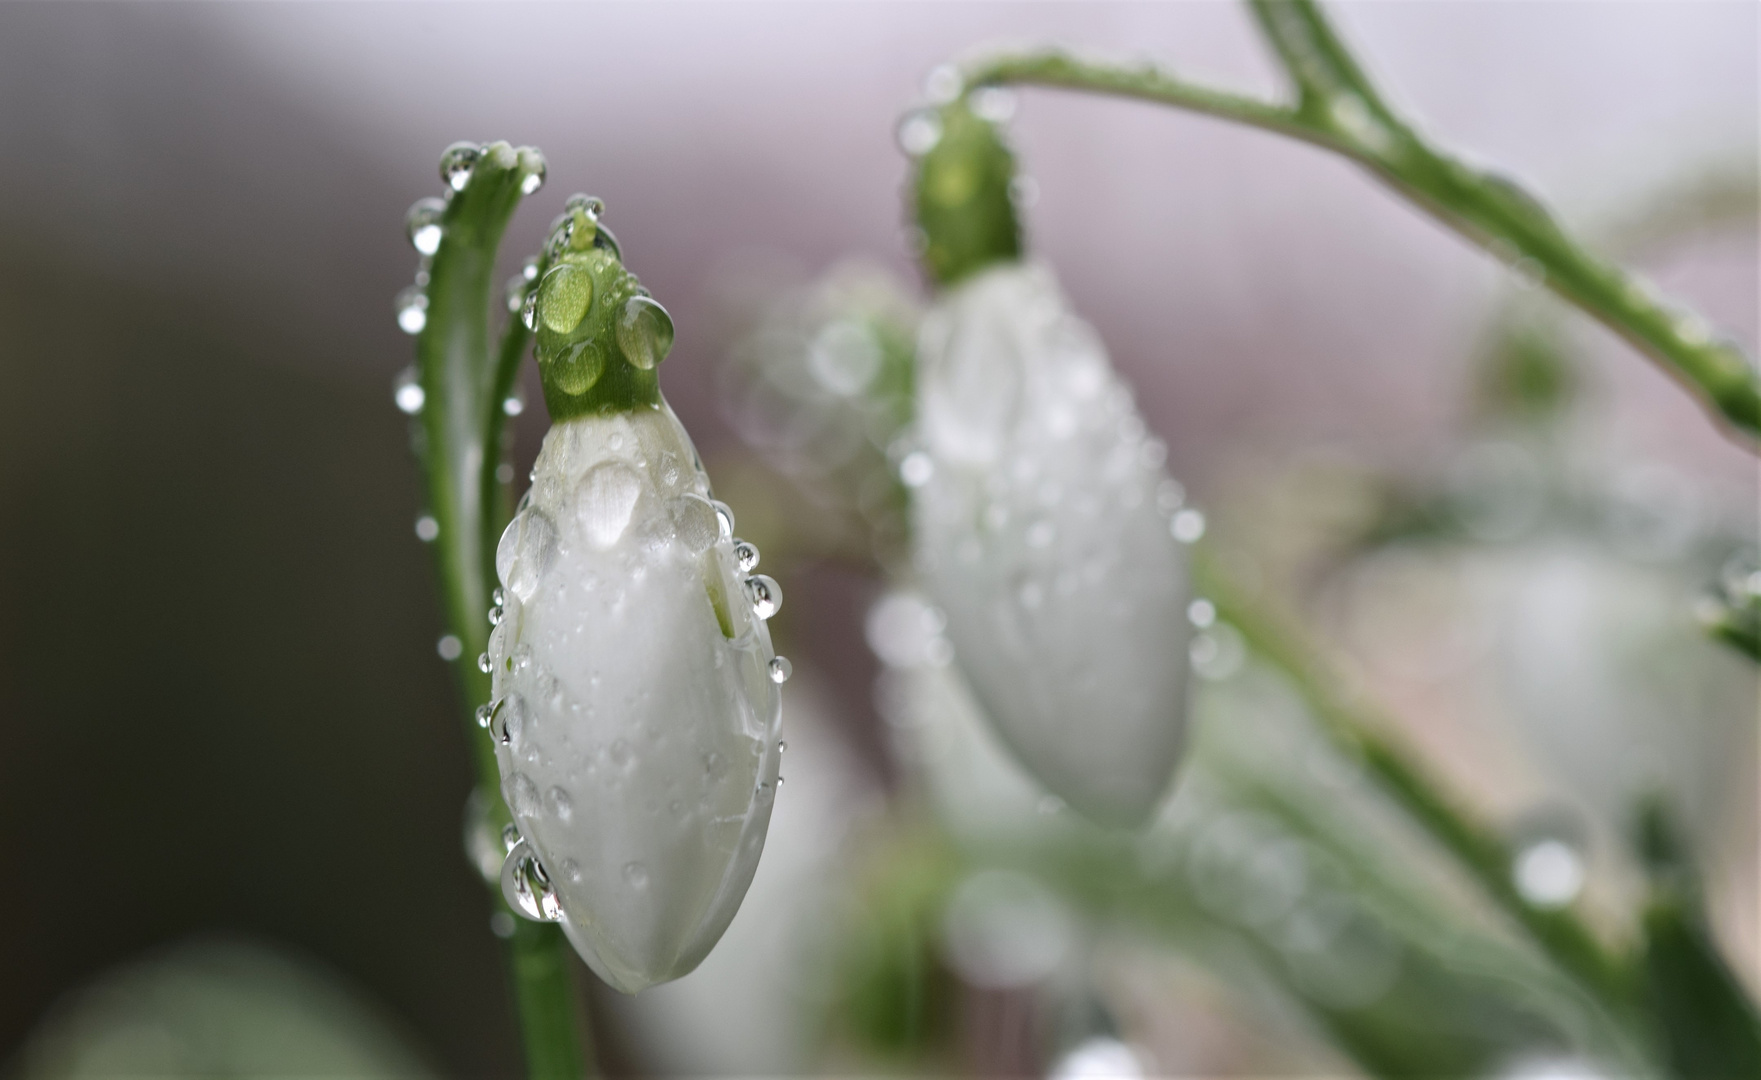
(1042, 529)
(635, 713)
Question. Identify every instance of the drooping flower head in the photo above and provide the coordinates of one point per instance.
(635, 713)
(1044, 525)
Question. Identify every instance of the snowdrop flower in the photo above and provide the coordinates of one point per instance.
(1042, 517)
(635, 716)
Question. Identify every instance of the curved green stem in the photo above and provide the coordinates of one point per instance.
(1351, 726)
(1339, 108)
(463, 388)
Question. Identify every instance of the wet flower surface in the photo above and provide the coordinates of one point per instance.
(635, 712)
(1044, 531)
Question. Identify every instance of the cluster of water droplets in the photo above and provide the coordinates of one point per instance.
(425, 226)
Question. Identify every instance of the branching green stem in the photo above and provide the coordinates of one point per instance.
(1338, 108)
(464, 385)
(1366, 737)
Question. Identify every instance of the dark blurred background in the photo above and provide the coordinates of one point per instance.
(222, 705)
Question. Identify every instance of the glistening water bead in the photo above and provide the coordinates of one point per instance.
(422, 225)
(412, 310)
(456, 164)
(780, 670)
(408, 393)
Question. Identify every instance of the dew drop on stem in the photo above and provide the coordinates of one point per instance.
(422, 225)
(456, 164)
(408, 393)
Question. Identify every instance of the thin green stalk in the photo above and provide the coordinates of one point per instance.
(1356, 730)
(461, 421)
(1339, 108)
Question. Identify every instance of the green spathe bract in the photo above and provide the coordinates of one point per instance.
(962, 195)
(599, 336)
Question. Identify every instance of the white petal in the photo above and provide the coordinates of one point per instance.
(632, 678)
(1040, 536)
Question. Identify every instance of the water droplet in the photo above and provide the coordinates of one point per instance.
(527, 888)
(456, 164)
(724, 518)
(422, 225)
(525, 553)
(943, 84)
(501, 924)
(529, 310)
(564, 296)
(529, 269)
(1549, 873)
(645, 332)
(412, 310)
(495, 616)
(1100, 1056)
(745, 556)
(407, 391)
(780, 670)
(498, 596)
(993, 103)
(513, 405)
(605, 500)
(483, 663)
(916, 469)
(919, 132)
(504, 473)
(765, 594)
(636, 875)
(515, 293)
(534, 179)
(695, 522)
(507, 720)
(427, 529)
(558, 805)
(449, 647)
(1201, 613)
(781, 746)
(779, 781)
(1187, 525)
(591, 205)
(484, 712)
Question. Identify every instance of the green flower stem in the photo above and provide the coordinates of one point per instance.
(1339, 109)
(1359, 733)
(463, 388)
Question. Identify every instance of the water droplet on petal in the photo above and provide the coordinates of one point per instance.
(525, 553)
(422, 225)
(427, 529)
(408, 393)
(529, 310)
(449, 647)
(591, 205)
(498, 596)
(558, 805)
(495, 616)
(724, 516)
(780, 670)
(456, 164)
(484, 712)
(483, 663)
(412, 310)
(696, 522)
(645, 332)
(527, 888)
(765, 594)
(507, 720)
(745, 556)
(636, 875)
(605, 500)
